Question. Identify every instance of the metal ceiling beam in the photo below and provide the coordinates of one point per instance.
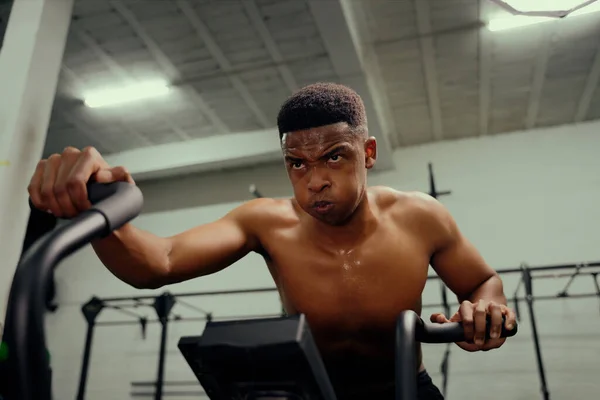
(357, 14)
(259, 24)
(200, 155)
(539, 74)
(422, 9)
(591, 85)
(119, 71)
(165, 63)
(343, 41)
(206, 37)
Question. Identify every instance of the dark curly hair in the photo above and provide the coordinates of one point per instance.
(322, 104)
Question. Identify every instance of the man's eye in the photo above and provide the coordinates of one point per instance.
(335, 157)
(297, 165)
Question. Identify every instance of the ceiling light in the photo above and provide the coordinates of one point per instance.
(126, 94)
(530, 12)
(501, 24)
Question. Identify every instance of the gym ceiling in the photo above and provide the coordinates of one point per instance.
(427, 70)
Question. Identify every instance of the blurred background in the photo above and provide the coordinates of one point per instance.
(500, 96)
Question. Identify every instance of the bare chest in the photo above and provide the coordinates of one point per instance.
(351, 290)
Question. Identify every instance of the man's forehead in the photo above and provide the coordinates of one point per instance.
(319, 137)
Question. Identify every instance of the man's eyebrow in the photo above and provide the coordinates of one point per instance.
(338, 148)
(292, 158)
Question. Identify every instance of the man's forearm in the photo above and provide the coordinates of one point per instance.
(490, 290)
(137, 257)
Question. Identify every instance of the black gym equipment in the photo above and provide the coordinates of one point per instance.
(25, 373)
(162, 305)
(277, 357)
(528, 283)
(38, 224)
(90, 310)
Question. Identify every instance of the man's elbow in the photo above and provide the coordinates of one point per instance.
(160, 274)
(155, 278)
(148, 284)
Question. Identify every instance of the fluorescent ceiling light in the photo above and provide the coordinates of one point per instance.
(529, 12)
(126, 94)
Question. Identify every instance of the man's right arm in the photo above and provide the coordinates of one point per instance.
(145, 260)
(140, 258)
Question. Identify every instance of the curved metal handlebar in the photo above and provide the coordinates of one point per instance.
(113, 205)
(410, 329)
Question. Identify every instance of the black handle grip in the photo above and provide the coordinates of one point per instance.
(410, 329)
(454, 332)
(119, 202)
(25, 374)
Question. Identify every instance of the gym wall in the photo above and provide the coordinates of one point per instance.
(521, 197)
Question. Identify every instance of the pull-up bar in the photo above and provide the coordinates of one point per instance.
(163, 305)
(164, 315)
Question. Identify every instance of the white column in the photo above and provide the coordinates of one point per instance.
(30, 62)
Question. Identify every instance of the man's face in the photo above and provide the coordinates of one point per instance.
(328, 168)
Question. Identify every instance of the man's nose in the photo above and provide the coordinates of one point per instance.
(318, 181)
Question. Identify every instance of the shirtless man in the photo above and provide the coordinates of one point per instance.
(348, 256)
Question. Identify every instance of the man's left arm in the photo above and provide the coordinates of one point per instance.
(477, 286)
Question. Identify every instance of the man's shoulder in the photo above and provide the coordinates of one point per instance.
(411, 206)
(266, 211)
(403, 200)
(418, 210)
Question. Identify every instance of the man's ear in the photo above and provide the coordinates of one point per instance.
(370, 152)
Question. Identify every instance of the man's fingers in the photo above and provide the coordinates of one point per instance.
(47, 186)
(475, 319)
(61, 189)
(35, 186)
(455, 317)
(479, 316)
(438, 318)
(88, 164)
(495, 312)
(104, 176)
(511, 319)
(121, 174)
(466, 316)
(492, 344)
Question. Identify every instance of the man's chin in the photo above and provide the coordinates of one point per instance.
(328, 219)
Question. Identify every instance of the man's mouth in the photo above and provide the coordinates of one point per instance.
(322, 206)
